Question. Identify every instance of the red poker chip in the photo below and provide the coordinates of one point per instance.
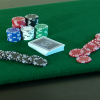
(87, 51)
(83, 59)
(95, 42)
(97, 35)
(76, 52)
(18, 22)
(98, 38)
(93, 47)
(18, 18)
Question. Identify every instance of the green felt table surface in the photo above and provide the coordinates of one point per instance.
(72, 23)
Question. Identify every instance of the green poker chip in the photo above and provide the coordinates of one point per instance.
(41, 30)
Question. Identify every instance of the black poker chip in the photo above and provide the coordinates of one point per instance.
(40, 62)
(1, 56)
(25, 59)
(32, 58)
(13, 55)
(8, 55)
(19, 58)
(1, 52)
(4, 55)
(31, 16)
(31, 19)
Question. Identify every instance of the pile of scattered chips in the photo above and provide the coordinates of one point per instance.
(23, 58)
(82, 55)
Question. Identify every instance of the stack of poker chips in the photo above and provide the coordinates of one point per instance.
(41, 30)
(23, 58)
(13, 34)
(29, 28)
(27, 32)
(18, 22)
(31, 19)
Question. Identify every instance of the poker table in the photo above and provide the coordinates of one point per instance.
(72, 23)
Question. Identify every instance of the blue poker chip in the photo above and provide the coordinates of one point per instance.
(13, 34)
(12, 30)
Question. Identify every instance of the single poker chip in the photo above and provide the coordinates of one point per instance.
(83, 59)
(1, 51)
(95, 42)
(41, 26)
(40, 62)
(76, 52)
(87, 51)
(32, 58)
(18, 18)
(4, 55)
(31, 16)
(13, 30)
(98, 38)
(19, 58)
(1, 57)
(93, 47)
(27, 28)
(8, 55)
(97, 35)
(25, 59)
(13, 55)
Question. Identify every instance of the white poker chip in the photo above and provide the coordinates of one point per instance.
(27, 32)
(27, 28)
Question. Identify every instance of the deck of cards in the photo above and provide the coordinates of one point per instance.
(46, 46)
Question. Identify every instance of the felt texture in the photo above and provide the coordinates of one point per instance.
(72, 23)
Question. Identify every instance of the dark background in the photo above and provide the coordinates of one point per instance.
(75, 87)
